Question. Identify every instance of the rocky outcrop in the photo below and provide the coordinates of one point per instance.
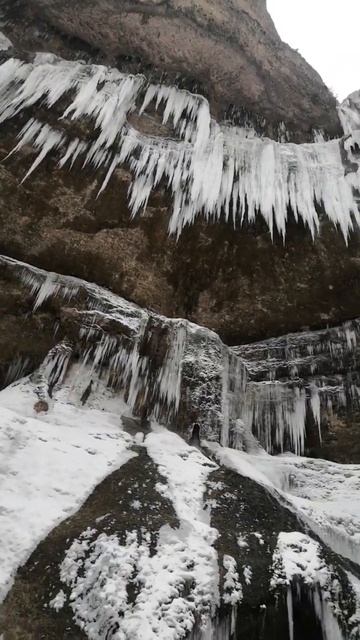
(228, 50)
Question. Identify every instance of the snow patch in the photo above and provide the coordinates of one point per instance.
(45, 468)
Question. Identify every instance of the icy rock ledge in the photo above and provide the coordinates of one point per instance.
(182, 375)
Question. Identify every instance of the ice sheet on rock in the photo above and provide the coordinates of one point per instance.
(176, 582)
(213, 171)
(325, 495)
(49, 464)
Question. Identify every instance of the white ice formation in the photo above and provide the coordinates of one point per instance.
(211, 170)
(269, 392)
(298, 564)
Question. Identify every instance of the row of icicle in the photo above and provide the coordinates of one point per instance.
(210, 170)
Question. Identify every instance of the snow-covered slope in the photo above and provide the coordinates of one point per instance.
(129, 521)
(49, 464)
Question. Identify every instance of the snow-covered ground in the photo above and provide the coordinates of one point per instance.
(49, 464)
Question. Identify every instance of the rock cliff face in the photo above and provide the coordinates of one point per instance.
(176, 462)
(229, 50)
(212, 272)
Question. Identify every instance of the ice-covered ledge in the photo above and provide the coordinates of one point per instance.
(210, 170)
(283, 391)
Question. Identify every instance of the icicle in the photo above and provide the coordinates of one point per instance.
(46, 140)
(277, 414)
(16, 370)
(290, 610)
(169, 379)
(325, 615)
(315, 407)
(225, 405)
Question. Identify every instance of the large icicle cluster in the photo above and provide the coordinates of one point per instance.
(299, 380)
(210, 170)
(157, 363)
(183, 375)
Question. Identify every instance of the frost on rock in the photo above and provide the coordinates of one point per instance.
(210, 170)
(5, 43)
(232, 586)
(59, 601)
(298, 563)
(247, 572)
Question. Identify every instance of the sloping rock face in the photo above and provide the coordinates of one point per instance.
(230, 50)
